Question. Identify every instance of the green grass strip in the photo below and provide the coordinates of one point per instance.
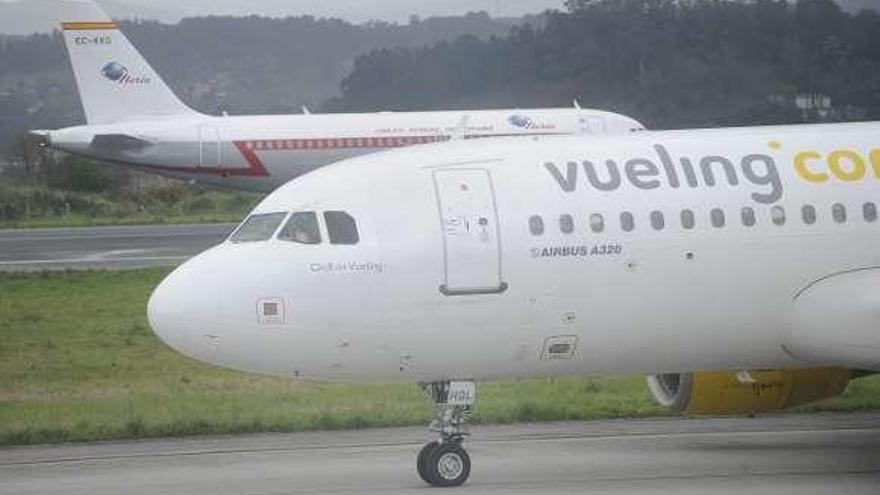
(79, 363)
(97, 221)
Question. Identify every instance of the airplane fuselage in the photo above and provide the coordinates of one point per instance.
(260, 153)
(645, 253)
(135, 119)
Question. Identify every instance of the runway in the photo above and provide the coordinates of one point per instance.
(796, 455)
(106, 247)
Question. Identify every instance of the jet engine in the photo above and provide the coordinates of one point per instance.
(727, 392)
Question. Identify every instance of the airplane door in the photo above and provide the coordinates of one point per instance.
(209, 146)
(469, 221)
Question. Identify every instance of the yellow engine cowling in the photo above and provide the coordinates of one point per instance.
(725, 392)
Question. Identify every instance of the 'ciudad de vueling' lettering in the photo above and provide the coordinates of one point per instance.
(652, 173)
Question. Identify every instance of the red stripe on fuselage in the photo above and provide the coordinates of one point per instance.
(337, 143)
(255, 164)
(256, 168)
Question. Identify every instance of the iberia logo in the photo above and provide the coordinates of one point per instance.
(119, 74)
(525, 122)
(521, 121)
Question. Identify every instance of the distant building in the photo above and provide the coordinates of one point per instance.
(810, 104)
(813, 103)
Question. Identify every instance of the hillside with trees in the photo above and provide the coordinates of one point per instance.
(670, 63)
(240, 65)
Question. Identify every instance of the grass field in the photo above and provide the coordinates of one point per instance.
(78, 362)
(25, 204)
(135, 219)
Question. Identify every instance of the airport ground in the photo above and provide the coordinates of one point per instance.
(98, 198)
(109, 248)
(788, 454)
(85, 221)
(79, 363)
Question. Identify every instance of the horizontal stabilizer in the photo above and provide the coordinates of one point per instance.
(118, 143)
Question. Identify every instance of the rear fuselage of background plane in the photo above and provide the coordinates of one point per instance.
(260, 153)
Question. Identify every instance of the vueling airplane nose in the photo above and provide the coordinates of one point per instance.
(180, 307)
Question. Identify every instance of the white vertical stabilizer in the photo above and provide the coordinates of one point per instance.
(115, 82)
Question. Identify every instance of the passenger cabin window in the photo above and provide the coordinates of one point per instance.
(657, 220)
(302, 228)
(566, 224)
(808, 212)
(257, 227)
(777, 215)
(341, 228)
(687, 219)
(717, 217)
(627, 222)
(597, 223)
(748, 216)
(536, 225)
(838, 212)
(869, 211)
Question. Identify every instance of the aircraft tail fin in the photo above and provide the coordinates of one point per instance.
(115, 82)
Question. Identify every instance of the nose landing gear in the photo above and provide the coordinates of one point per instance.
(444, 462)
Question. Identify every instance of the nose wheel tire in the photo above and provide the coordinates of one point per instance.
(444, 464)
(421, 460)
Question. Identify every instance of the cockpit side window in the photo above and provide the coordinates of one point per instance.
(341, 227)
(257, 227)
(302, 228)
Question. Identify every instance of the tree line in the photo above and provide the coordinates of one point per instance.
(670, 63)
(242, 65)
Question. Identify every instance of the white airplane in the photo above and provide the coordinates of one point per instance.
(738, 268)
(135, 119)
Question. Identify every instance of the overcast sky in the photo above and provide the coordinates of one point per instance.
(356, 10)
(26, 16)
(23, 16)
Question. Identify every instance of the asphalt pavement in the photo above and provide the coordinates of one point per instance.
(791, 454)
(106, 247)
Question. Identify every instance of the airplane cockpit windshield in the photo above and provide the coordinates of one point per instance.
(302, 228)
(257, 227)
(341, 227)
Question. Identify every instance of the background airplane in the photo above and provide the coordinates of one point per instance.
(681, 255)
(133, 118)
